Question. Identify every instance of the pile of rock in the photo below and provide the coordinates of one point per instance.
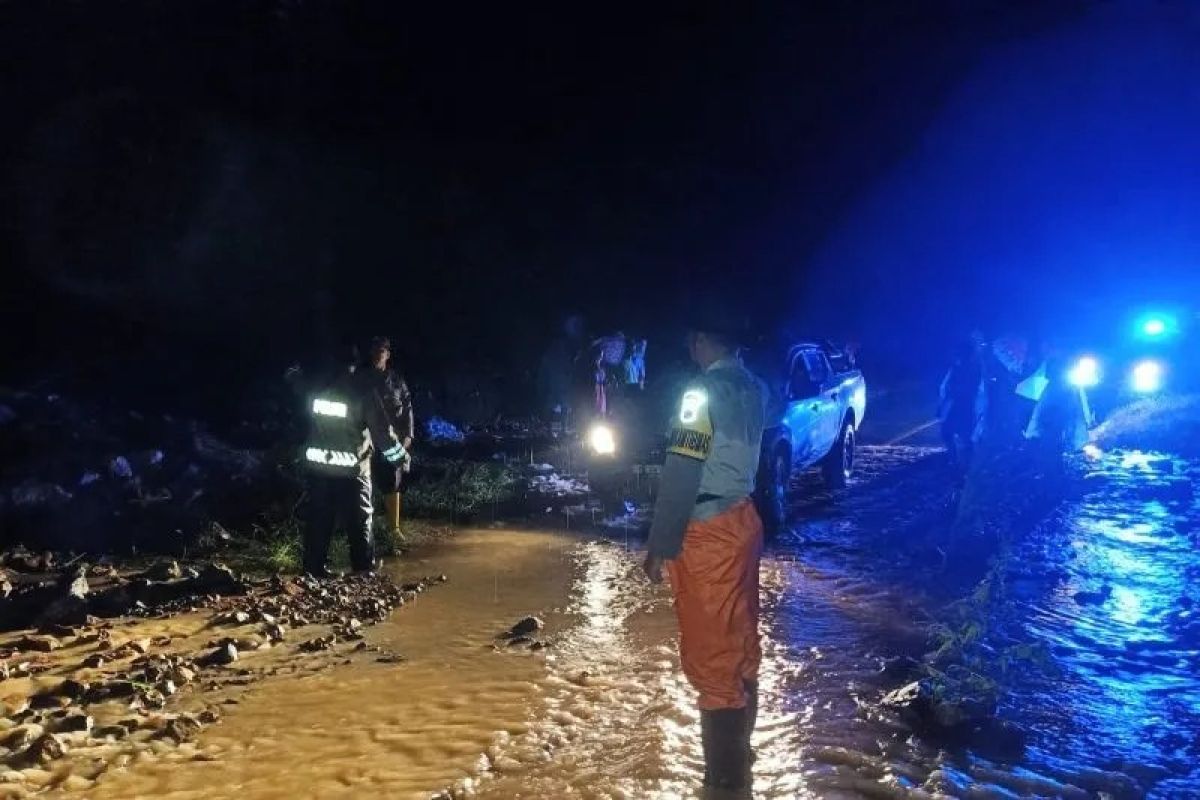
(72, 594)
(88, 474)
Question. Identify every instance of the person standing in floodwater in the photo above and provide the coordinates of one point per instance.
(959, 401)
(708, 536)
(396, 400)
(347, 424)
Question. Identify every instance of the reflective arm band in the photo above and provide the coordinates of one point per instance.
(395, 453)
(692, 435)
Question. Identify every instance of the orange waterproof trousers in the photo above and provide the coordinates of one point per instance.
(715, 583)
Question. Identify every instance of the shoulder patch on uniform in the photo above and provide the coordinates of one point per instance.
(692, 432)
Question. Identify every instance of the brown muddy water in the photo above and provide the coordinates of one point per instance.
(604, 712)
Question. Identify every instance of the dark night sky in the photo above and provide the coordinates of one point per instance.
(276, 172)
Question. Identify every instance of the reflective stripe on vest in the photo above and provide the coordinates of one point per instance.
(333, 458)
(329, 408)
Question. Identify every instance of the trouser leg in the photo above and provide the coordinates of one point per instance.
(318, 530)
(358, 524)
(715, 582)
(388, 477)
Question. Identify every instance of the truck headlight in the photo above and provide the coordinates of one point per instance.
(602, 441)
(1147, 377)
(1085, 374)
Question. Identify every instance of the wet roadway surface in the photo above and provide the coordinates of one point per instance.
(1108, 583)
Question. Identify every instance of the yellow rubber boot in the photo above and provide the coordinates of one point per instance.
(391, 503)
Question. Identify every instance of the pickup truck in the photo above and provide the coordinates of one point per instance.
(817, 402)
(818, 405)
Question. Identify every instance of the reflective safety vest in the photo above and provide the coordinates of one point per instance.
(337, 443)
(720, 423)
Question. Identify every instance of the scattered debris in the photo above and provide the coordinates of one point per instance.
(182, 728)
(439, 431)
(38, 644)
(523, 628)
(224, 655)
(319, 644)
(45, 749)
(164, 571)
(120, 467)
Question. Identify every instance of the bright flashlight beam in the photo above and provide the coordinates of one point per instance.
(1154, 327)
(1085, 374)
(1147, 377)
(602, 440)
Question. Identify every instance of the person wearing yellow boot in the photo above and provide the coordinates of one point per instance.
(397, 402)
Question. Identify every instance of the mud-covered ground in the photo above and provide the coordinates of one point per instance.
(1100, 592)
(107, 693)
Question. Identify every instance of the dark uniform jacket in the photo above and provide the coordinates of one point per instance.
(347, 419)
(396, 399)
(712, 452)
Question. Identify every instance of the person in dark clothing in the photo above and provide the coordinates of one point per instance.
(397, 402)
(958, 406)
(610, 355)
(347, 422)
(557, 374)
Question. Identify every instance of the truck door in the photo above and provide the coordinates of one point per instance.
(824, 406)
(800, 416)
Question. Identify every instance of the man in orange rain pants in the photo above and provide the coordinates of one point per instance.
(707, 534)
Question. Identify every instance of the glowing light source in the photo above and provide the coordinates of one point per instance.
(1085, 374)
(1147, 377)
(1092, 451)
(602, 440)
(1155, 325)
(329, 408)
(689, 410)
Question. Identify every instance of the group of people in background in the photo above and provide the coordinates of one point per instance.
(1004, 391)
(581, 375)
(620, 366)
(359, 441)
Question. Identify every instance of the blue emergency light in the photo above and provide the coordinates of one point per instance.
(1085, 374)
(1156, 325)
(1147, 377)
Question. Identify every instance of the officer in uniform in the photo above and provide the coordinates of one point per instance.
(397, 402)
(347, 422)
(708, 536)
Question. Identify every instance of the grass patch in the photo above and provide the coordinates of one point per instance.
(460, 489)
(282, 551)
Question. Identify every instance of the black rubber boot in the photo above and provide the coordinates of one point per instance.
(723, 734)
(751, 717)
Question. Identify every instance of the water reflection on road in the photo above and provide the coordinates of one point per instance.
(605, 713)
(1116, 597)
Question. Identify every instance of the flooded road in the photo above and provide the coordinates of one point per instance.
(604, 711)
(1116, 598)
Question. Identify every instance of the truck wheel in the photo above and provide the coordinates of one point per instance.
(771, 497)
(839, 464)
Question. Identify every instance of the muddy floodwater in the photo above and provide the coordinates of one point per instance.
(604, 711)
